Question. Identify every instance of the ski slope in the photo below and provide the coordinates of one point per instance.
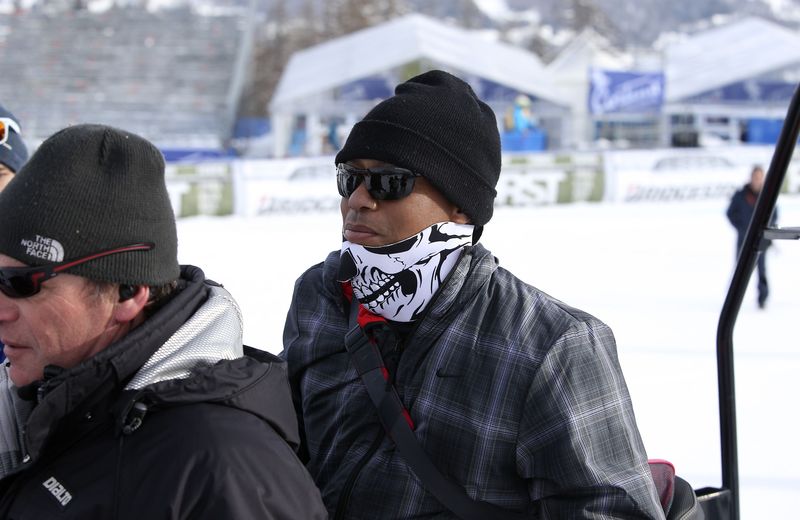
(657, 273)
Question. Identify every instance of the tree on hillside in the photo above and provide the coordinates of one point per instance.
(583, 14)
(283, 34)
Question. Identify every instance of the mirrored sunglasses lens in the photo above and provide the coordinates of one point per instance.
(390, 186)
(353, 180)
(381, 185)
(3, 132)
(347, 182)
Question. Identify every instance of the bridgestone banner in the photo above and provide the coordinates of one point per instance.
(678, 174)
(301, 185)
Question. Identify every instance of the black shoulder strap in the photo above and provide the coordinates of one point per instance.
(368, 362)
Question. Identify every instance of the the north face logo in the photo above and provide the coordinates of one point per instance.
(57, 490)
(45, 248)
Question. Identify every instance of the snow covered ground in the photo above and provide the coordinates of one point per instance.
(657, 273)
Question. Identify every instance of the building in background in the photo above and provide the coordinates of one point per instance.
(615, 97)
(730, 84)
(173, 75)
(325, 89)
(725, 85)
(179, 75)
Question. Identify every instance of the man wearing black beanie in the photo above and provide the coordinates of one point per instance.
(131, 394)
(429, 382)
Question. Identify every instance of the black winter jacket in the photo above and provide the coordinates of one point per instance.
(127, 435)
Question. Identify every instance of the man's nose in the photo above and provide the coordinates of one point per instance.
(361, 199)
(9, 311)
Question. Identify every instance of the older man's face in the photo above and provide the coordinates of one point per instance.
(64, 324)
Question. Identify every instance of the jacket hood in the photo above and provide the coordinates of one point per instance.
(256, 383)
(212, 333)
(204, 361)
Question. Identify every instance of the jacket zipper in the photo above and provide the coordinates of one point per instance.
(344, 496)
(347, 489)
(117, 472)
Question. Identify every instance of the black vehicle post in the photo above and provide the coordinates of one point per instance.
(758, 235)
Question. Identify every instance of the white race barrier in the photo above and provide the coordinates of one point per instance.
(262, 187)
(677, 174)
(309, 184)
(265, 186)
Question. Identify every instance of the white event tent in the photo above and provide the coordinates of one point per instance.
(749, 52)
(396, 50)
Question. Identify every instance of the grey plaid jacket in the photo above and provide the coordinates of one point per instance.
(514, 395)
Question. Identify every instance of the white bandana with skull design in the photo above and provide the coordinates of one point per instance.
(398, 281)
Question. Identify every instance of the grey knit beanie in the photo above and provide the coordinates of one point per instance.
(86, 189)
(436, 126)
(13, 152)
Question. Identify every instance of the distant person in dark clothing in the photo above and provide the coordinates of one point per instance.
(740, 212)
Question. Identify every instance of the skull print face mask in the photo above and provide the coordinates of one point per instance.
(398, 281)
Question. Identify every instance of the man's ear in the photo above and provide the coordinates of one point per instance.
(130, 304)
(459, 217)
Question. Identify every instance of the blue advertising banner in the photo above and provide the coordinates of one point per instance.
(614, 91)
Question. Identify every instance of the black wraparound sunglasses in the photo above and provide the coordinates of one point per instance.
(22, 282)
(382, 183)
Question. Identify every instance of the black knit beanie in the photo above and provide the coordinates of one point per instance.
(86, 189)
(13, 153)
(436, 126)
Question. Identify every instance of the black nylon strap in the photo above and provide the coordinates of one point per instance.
(363, 359)
(367, 360)
(364, 355)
